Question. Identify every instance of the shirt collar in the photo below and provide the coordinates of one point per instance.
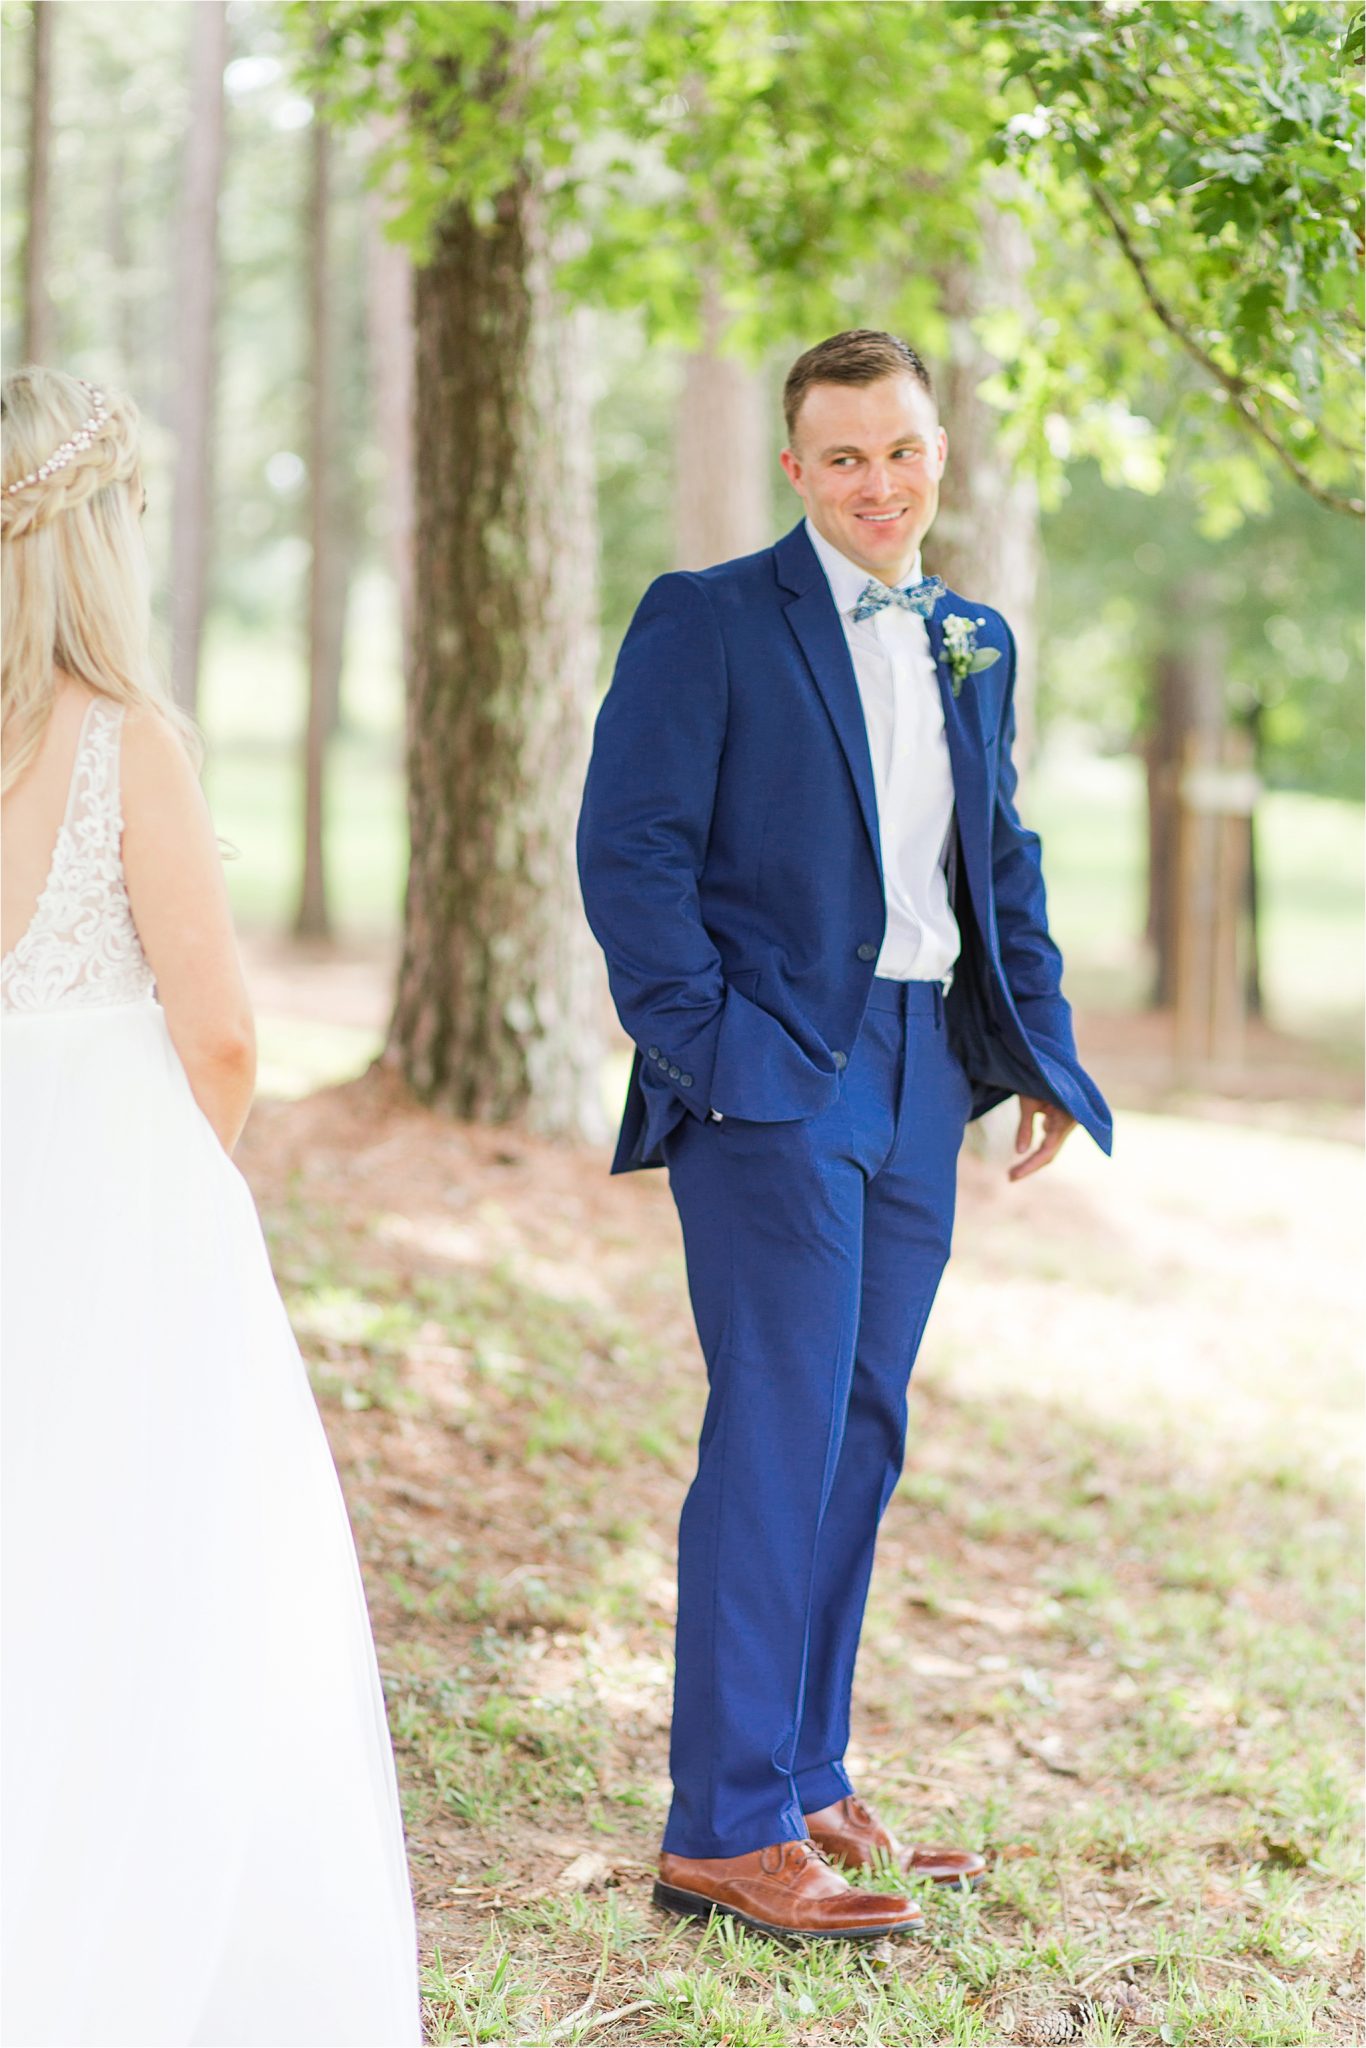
(847, 581)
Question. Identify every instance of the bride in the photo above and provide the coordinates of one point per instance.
(202, 1841)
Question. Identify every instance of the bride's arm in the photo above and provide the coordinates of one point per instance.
(180, 906)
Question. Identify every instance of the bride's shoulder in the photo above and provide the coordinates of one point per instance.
(152, 746)
(157, 775)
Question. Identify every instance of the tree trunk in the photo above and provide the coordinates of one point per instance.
(389, 317)
(326, 576)
(121, 264)
(196, 292)
(1187, 701)
(39, 341)
(497, 1001)
(985, 539)
(723, 505)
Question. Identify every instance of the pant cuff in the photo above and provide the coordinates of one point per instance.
(679, 1843)
(823, 1786)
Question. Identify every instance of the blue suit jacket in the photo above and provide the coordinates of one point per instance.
(731, 867)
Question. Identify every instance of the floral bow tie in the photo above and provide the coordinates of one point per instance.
(920, 598)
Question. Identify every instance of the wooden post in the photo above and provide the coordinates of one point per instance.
(1218, 791)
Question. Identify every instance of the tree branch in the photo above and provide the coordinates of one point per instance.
(1237, 387)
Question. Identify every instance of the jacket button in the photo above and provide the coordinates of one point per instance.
(841, 1060)
(652, 1053)
(675, 1073)
(685, 1080)
(867, 952)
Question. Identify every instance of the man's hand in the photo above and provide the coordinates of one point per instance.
(1056, 1124)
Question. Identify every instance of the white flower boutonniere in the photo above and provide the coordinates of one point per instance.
(965, 657)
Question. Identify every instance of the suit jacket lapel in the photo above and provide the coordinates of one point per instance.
(964, 736)
(811, 614)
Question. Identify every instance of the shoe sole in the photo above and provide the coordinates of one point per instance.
(697, 1906)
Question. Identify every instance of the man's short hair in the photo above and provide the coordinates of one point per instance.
(862, 355)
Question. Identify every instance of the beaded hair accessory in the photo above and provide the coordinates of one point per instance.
(69, 450)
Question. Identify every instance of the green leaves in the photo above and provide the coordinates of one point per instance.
(1220, 148)
(1189, 175)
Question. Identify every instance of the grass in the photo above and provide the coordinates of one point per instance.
(1169, 1612)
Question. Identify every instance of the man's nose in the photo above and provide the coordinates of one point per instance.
(879, 484)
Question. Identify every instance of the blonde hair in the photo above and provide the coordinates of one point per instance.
(74, 594)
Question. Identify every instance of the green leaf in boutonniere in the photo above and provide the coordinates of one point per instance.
(965, 657)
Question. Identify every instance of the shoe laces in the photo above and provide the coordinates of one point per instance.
(792, 1858)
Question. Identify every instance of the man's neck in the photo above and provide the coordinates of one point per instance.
(909, 572)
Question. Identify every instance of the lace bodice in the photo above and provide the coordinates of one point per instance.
(81, 949)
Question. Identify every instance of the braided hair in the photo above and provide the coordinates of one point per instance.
(75, 585)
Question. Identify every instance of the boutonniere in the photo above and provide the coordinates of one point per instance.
(965, 657)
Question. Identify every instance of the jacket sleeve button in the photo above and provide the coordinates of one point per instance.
(675, 1073)
(867, 952)
(685, 1080)
(652, 1052)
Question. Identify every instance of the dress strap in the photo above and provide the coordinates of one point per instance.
(94, 791)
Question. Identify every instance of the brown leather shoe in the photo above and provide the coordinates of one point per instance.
(786, 1889)
(853, 1837)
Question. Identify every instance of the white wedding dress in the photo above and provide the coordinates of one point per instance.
(200, 1832)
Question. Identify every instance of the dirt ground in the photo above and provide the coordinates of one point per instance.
(1188, 1299)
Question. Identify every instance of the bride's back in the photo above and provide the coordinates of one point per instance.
(112, 880)
(32, 813)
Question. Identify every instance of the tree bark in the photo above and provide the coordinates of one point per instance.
(327, 573)
(39, 340)
(496, 1013)
(389, 323)
(723, 504)
(985, 540)
(196, 295)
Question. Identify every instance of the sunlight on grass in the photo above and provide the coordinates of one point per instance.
(297, 1055)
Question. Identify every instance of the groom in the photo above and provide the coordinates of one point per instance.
(825, 931)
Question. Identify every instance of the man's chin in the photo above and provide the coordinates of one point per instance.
(882, 548)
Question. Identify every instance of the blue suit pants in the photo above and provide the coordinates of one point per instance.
(814, 1250)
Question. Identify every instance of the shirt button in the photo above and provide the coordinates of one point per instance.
(841, 1060)
(867, 952)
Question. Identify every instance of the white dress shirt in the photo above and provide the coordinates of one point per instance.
(904, 714)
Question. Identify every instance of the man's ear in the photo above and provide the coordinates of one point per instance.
(792, 469)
